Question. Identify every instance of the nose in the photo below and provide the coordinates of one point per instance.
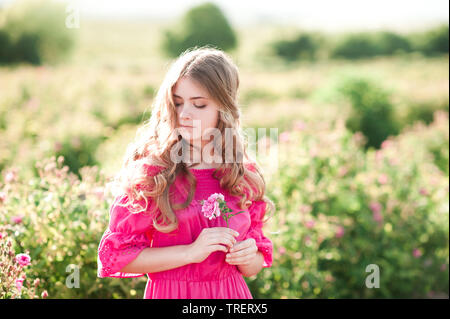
(185, 115)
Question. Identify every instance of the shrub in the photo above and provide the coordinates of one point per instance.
(62, 221)
(423, 111)
(13, 272)
(386, 207)
(355, 46)
(371, 109)
(432, 42)
(390, 43)
(203, 25)
(303, 46)
(36, 33)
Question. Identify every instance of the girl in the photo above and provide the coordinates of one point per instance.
(156, 226)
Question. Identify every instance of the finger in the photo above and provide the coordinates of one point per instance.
(224, 236)
(226, 230)
(239, 261)
(242, 245)
(213, 248)
(214, 236)
(221, 240)
(241, 253)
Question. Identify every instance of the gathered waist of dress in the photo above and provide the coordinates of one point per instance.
(194, 272)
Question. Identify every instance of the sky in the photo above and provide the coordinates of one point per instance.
(318, 14)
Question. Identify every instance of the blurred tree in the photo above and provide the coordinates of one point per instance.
(390, 43)
(303, 46)
(372, 112)
(34, 31)
(355, 46)
(432, 42)
(200, 26)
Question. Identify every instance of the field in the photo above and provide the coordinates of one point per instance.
(340, 207)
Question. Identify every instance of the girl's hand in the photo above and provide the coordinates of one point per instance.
(210, 240)
(242, 253)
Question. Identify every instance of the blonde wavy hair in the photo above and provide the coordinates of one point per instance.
(216, 72)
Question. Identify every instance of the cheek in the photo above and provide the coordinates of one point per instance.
(210, 119)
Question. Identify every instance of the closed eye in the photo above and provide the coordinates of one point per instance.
(197, 106)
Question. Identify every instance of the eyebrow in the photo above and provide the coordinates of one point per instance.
(192, 98)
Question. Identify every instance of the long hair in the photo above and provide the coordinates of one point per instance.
(154, 140)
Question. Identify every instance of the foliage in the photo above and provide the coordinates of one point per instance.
(62, 221)
(302, 46)
(372, 112)
(203, 25)
(34, 31)
(387, 207)
(432, 42)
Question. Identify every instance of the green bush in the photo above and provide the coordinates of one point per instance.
(203, 25)
(390, 43)
(62, 220)
(34, 31)
(355, 46)
(422, 111)
(367, 45)
(387, 207)
(432, 42)
(371, 110)
(303, 46)
(78, 151)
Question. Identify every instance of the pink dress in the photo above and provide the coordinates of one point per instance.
(128, 234)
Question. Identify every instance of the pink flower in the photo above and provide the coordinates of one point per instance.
(44, 294)
(310, 224)
(2, 197)
(393, 162)
(339, 232)
(23, 259)
(342, 171)
(377, 217)
(19, 283)
(99, 192)
(285, 136)
(382, 179)
(282, 250)
(215, 206)
(423, 192)
(17, 219)
(307, 239)
(386, 144)
(417, 253)
(378, 155)
(216, 196)
(375, 207)
(299, 125)
(10, 177)
(313, 152)
(210, 208)
(58, 146)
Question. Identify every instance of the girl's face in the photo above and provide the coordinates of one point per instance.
(196, 111)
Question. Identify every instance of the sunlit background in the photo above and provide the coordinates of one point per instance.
(359, 93)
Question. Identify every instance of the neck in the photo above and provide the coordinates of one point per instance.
(197, 157)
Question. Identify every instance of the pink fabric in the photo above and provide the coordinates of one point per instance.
(128, 234)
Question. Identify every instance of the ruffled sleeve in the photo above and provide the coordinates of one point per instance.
(126, 236)
(257, 211)
(124, 239)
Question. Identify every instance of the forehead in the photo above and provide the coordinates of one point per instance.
(189, 88)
